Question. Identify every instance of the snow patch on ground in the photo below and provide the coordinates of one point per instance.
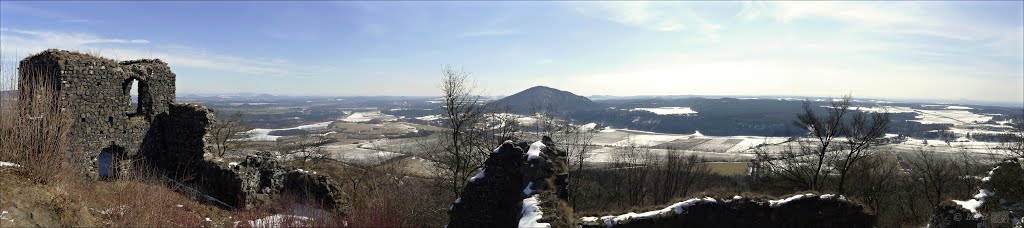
(668, 110)
(531, 213)
(3, 216)
(279, 220)
(119, 210)
(529, 189)
(776, 203)
(880, 109)
(8, 164)
(535, 149)
(360, 117)
(677, 208)
(588, 127)
(477, 176)
(429, 118)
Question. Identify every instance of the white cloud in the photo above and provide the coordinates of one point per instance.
(19, 43)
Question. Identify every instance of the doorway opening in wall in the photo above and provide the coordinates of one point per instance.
(109, 163)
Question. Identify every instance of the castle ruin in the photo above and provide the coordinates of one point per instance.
(97, 93)
(110, 133)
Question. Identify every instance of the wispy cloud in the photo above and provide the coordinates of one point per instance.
(911, 18)
(72, 39)
(18, 43)
(488, 32)
(631, 13)
(653, 16)
(11, 6)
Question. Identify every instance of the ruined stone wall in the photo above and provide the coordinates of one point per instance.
(97, 91)
(177, 141)
(168, 136)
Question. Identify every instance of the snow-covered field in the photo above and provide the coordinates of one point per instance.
(353, 154)
(262, 134)
(669, 110)
(360, 117)
(954, 117)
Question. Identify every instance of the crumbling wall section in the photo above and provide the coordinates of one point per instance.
(97, 91)
(169, 136)
(177, 141)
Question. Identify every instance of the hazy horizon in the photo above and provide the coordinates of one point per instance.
(882, 50)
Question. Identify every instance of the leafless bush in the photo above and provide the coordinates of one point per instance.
(639, 178)
(836, 143)
(34, 128)
(387, 196)
(933, 176)
(677, 176)
(227, 133)
(1015, 143)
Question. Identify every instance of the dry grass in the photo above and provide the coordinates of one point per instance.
(729, 168)
(35, 136)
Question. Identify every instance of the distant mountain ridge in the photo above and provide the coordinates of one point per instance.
(544, 98)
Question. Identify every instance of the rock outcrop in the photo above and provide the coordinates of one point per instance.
(999, 202)
(804, 210)
(524, 185)
(516, 187)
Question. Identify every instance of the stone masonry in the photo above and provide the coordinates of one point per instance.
(97, 91)
(169, 136)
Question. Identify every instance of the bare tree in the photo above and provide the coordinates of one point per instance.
(676, 175)
(933, 176)
(227, 133)
(1015, 142)
(861, 134)
(791, 168)
(312, 146)
(632, 173)
(823, 129)
(576, 141)
(462, 112)
(836, 143)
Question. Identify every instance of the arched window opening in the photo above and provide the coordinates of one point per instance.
(134, 94)
(137, 93)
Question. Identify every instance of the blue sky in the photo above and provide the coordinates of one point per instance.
(936, 50)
